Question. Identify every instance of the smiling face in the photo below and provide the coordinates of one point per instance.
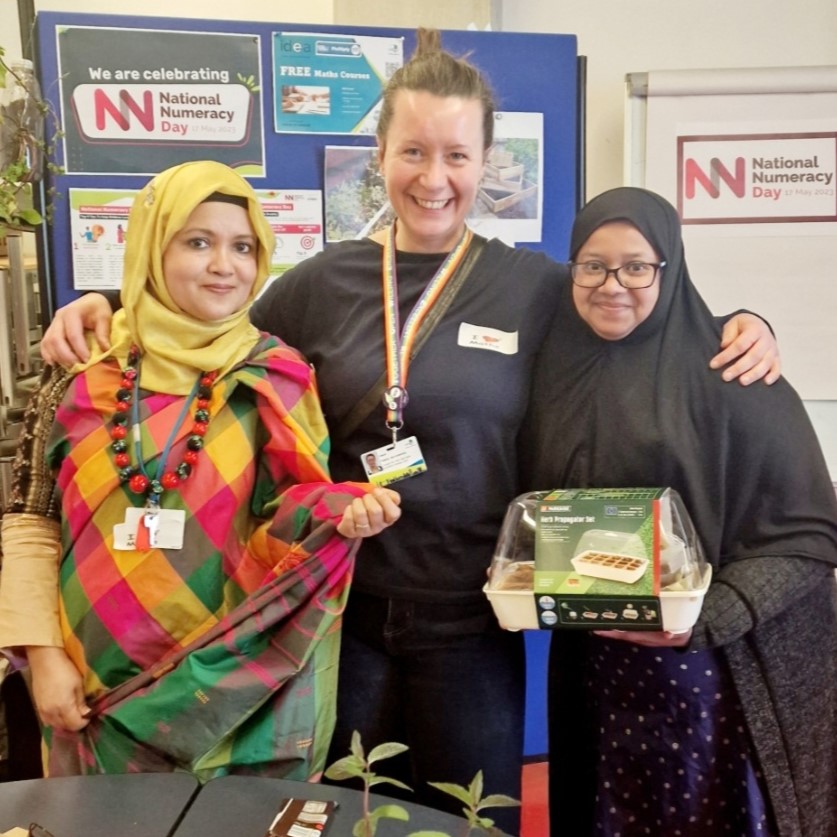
(432, 160)
(612, 311)
(211, 263)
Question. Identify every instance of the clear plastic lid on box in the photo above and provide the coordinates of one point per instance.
(610, 554)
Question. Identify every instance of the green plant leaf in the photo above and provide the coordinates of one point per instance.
(428, 834)
(456, 791)
(356, 747)
(390, 812)
(477, 786)
(385, 780)
(367, 827)
(386, 751)
(349, 767)
(30, 216)
(498, 800)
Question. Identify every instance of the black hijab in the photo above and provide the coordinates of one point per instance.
(646, 410)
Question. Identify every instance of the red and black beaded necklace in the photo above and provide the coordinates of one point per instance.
(127, 399)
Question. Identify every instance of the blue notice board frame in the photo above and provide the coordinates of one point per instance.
(528, 72)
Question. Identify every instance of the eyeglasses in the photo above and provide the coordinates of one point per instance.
(633, 275)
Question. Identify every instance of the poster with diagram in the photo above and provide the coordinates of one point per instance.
(296, 218)
(98, 228)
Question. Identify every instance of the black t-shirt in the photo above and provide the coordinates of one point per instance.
(468, 390)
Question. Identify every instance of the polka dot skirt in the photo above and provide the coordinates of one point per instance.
(674, 754)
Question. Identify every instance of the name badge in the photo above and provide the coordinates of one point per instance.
(163, 529)
(392, 463)
(492, 339)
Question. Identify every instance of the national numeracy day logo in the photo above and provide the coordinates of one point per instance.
(757, 178)
(172, 112)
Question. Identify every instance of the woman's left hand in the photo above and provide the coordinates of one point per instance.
(370, 514)
(651, 639)
(750, 349)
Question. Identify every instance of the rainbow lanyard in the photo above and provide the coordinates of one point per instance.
(399, 342)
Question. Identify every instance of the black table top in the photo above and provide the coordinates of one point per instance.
(174, 805)
(245, 807)
(133, 805)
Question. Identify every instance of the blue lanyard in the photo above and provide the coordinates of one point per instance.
(136, 433)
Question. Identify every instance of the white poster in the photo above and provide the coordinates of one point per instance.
(296, 218)
(98, 227)
(751, 165)
(768, 178)
(509, 203)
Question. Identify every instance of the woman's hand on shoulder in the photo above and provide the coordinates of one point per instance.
(650, 639)
(370, 514)
(749, 351)
(64, 342)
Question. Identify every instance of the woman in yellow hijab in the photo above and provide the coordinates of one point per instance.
(200, 537)
(174, 345)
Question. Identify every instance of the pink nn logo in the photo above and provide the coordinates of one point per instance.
(711, 182)
(120, 111)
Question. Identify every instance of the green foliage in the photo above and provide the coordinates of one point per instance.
(359, 766)
(352, 203)
(17, 174)
(525, 151)
(475, 802)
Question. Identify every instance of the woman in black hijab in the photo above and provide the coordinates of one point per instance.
(730, 728)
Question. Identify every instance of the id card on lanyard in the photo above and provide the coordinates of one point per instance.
(403, 458)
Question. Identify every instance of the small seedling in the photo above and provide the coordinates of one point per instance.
(359, 766)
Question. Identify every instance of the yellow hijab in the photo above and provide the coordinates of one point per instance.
(175, 346)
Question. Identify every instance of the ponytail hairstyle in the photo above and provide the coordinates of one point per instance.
(433, 70)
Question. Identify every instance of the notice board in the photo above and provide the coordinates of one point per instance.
(100, 73)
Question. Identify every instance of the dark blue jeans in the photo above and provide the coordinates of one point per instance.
(446, 681)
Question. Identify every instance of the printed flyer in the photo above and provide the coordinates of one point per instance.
(331, 84)
(137, 102)
(296, 218)
(98, 227)
(509, 203)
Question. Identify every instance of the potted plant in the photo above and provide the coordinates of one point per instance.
(24, 151)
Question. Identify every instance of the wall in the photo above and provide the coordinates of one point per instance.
(631, 36)
(312, 11)
(626, 36)
(286, 11)
(442, 14)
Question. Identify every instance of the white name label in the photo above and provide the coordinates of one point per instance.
(481, 337)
